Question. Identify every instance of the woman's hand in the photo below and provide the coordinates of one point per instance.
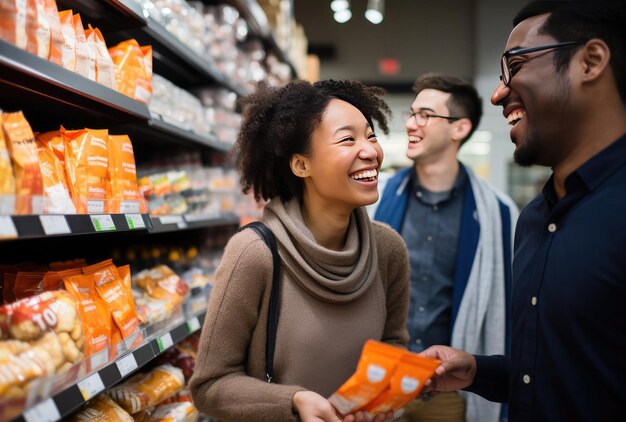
(314, 408)
(360, 417)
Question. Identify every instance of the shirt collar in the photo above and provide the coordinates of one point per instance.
(459, 184)
(592, 173)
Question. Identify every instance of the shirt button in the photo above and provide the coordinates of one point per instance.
(429, 238)
(419, 194)
(552, 228)
(421, 309)
(533, 300)
(418, 341)
(435, 207)
(526, 379)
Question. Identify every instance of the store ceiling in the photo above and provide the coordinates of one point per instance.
(420, 35)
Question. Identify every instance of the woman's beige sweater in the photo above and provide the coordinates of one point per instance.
(323, 322)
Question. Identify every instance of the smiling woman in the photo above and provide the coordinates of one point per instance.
(311, 150)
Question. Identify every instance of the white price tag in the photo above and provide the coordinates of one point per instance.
(127, 364)
(102, 222)
(7, 227)
(135, 221)
(46, 411)
(193, 325)
(54, 224)
(90, 386)
(165, 342)
(127, 207)
(98, 359)
(174, 219)
(95, 206)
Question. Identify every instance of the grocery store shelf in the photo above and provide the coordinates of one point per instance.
(46, 225)
(108, 15)
(24, 75)
(172, 223)
(70, 395)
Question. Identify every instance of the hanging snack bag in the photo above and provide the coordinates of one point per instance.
(37, 29)
(56, 34)
(85, 55)
(376, 365)
(406, 383)
(105, 69)
(86, 166)
(122, 180)
(23, 149)
(68, 52)
(13, 22)
(55, 186)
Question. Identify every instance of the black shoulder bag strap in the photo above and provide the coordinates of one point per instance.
(272, 318)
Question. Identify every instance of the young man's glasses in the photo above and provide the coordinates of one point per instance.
(509, 71)
(421, 117)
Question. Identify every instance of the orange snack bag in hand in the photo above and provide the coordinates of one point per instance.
(376, 366)
(85, 55)
(13, 22)
(122, 179)
(56, 34)
(54, 179)
(37, 29)
(130, 70)
(68, 52)
(406, 383)
(23, 149)
(105, 69)
(94, 312)
(111, 288)
(86, 166)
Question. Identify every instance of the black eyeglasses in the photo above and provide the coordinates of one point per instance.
(508, 72)
(421, 117)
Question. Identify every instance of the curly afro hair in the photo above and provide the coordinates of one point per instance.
(278, 122)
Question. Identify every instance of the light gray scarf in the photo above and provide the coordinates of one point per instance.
(333, 276)
(480, 325)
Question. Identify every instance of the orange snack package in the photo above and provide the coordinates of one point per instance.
(55, 186)
(68, 52)
(23, 149)
(27, 284)
(111, 289)
(105, 69)
(376, 365)
(13, 22)
(7, 182)
(406, 383)
(130, 71)
(53, 280)
(56, 34)
(37, 29)
(86, 166)
(102, 409)
(146, 390)
(85, 55)
(122, 180)
(94, 312)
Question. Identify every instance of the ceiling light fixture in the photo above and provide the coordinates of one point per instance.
(343, 16)
(375, 12)
(339, 5)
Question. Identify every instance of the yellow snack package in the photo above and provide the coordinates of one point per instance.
(376, 365)
(23, 149)
(68, 52)
(86, 166)
(55, 187)
(122, 180)
(406, 383)
(13, 22)
(37, 29)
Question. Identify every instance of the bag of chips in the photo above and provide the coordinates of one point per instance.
(105, 69)
(37, 28)
(13, 22)
(68, 52)
(85, 55)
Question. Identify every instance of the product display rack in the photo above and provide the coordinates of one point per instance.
(51, 95)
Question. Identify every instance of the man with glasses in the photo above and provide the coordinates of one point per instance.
(563, 91)
(458, 231)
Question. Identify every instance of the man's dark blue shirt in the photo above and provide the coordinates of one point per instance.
(568, 351)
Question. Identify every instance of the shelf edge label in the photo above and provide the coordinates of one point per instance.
(46, 411)
(126, 365)
(90, 386)
(54, 224)
(7, 227)
(165, 342)
(135, 221)
(103, 222)
(193, 325)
